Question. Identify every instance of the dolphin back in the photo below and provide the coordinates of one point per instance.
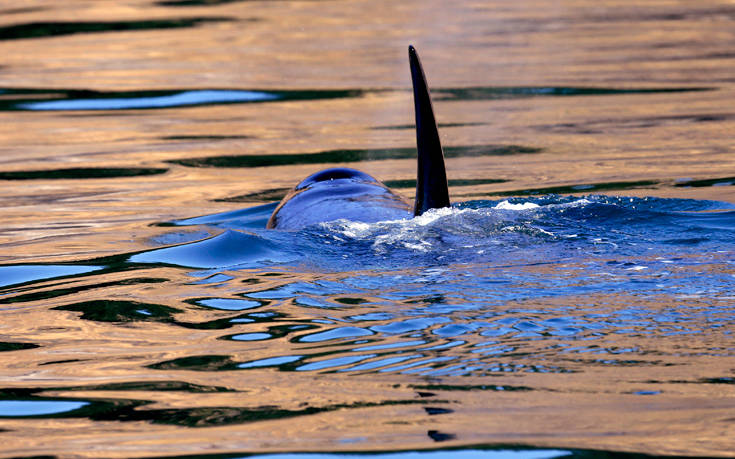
(432, 191)
(341, 193)
(334, 194)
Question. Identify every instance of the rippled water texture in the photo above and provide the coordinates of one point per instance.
(576, 301)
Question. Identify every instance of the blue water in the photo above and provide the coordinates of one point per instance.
(458, 454)
(458, 269)
(554, 285)
(477, 253)
(179, 99)
(71, 100)
(617, 234)
(18, 274)
(15, 408)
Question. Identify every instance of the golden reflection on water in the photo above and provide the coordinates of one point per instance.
(594, 400)
(661, 137)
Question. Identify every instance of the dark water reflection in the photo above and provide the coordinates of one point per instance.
(351, 156)
(53, 29)
(75, 100)
(80, 173)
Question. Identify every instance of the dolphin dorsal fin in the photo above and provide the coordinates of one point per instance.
(431, 179)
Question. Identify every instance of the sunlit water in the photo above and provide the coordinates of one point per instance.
(476, 298)
(578, 299)
(429, 295)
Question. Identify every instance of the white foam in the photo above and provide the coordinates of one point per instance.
(418, 233)
(505, 205)
(433, 215)
(577, 203)
(354, 229)
(637, 268)
(421, 246)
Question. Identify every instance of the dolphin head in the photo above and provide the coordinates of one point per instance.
(350, 194)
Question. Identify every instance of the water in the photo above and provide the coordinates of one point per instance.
(576, 301)
(442, 314)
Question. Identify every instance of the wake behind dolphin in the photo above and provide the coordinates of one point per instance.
(341, 193)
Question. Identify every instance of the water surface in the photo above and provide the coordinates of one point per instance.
(576, 301)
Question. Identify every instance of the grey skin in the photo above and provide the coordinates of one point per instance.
(341, 193)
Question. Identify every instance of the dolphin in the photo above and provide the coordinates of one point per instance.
(342, 193)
